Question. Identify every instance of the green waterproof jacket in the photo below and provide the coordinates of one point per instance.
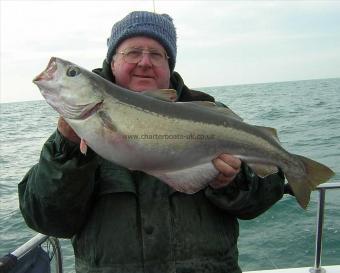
(130, 222)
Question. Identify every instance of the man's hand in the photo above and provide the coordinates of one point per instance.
(67, 131)
(228, 166)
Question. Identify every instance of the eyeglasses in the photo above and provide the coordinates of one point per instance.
(134, 55)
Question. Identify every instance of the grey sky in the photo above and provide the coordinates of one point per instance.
(219, 42)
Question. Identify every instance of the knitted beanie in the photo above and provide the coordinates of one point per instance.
(143, 23)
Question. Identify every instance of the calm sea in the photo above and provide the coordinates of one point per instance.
(306, 115)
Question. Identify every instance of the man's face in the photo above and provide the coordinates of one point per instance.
(143, 75)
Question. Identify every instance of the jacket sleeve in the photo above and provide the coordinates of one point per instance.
(249, 195)
(56, 194)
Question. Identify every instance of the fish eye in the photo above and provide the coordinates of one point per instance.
(73, 71)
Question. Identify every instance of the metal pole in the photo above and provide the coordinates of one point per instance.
(319, 228)
(154, 8)
(58, 255)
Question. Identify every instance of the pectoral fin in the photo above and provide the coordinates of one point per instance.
(83, 146)
(263, 170)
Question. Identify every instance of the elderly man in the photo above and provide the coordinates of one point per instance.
(127, 221)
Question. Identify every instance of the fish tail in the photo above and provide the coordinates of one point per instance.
(314, 174)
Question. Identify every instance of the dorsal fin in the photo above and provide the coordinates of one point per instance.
(269, 131)
(214, 107)
(162, 94)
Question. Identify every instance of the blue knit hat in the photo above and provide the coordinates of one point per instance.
(143, 23)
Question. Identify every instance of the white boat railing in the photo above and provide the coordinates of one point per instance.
(319, 225)
(318, 239)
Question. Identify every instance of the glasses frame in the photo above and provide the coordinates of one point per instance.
(143, 51)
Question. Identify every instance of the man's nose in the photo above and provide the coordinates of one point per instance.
(145, 60)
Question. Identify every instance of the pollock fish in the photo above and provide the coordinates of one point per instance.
(173, 141)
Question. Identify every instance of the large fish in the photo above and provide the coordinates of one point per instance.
(174, 141)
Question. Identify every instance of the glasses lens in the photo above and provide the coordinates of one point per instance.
(157, 58)
(133, 55)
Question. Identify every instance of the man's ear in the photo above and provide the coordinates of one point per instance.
(113, 67)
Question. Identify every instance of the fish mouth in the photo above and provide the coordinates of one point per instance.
(51, 88)
(49, 72)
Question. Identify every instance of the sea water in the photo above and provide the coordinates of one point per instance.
(306, 115)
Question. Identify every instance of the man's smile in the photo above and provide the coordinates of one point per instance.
(143, 76)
